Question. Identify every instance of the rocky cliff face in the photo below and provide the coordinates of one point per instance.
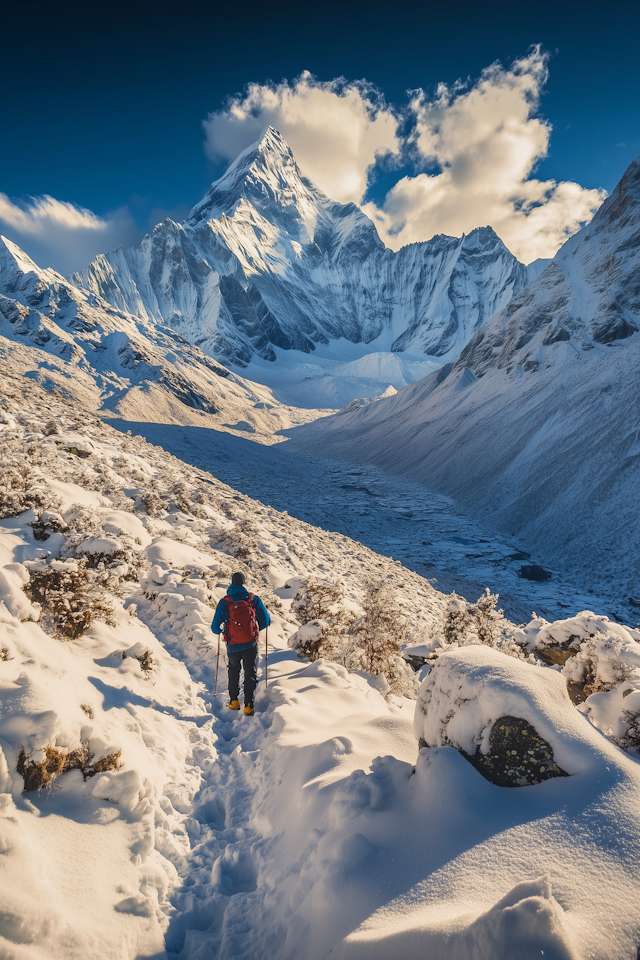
(267, 261)
(588, 296)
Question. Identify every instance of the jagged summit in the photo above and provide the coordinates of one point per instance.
(265, 171)
(13, 258)
(536, 425)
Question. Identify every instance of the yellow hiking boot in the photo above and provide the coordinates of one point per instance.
(234, 705)
(248, 711)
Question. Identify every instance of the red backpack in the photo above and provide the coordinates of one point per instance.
(242, 626)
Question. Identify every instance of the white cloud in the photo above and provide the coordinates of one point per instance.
(63, 236)
(336, 130)
(479, 144)
(484, 142)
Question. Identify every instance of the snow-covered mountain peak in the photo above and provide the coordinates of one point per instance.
(267, 261)
(587, 296)
(623, 206)
(482, 240)
(536, 424)
(264, 173)
(15, 263)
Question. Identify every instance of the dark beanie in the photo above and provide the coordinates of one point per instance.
(238, 579)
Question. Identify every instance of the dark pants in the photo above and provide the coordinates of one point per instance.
(246, 659)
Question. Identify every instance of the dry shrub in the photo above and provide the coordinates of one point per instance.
(145, 660)
(70, 595)
(88, 709)
(82, 521)
(375, 639)
(378, 633)
(49, 522)
(19, 489)
(630, 740)
(111, 569)
(152, 502)
(600, 663)
(456, 620)
(472, 623)
(318, 639)
(181, 496)
(318, 606)
(39, 776)
(4, 654)
(319, 600)
(370, 643)
(241, 541)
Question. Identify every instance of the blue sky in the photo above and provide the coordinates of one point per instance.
(104, 111)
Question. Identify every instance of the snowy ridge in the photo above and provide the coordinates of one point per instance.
(112, 361)
(266, 265)
(535, 427)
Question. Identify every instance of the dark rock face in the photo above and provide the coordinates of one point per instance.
(534, 572)
(518, 756)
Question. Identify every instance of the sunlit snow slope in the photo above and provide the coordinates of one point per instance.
(536, 428)
(268, 269)
(183, 831)
(76, 342)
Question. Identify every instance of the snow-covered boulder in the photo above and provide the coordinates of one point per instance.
(514, 721)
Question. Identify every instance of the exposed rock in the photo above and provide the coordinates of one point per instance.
(518, 756)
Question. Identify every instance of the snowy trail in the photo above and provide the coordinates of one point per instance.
(219, 900)
(320, 832)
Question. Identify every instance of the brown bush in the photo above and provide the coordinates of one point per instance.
(379, 632)
(39, 776)
(145, 660)
(19, 490)
(71, 597)
(152, 502)
(319, 600)
(319, 640)
(630, 740)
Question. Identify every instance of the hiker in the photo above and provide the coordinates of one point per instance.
(244, 616)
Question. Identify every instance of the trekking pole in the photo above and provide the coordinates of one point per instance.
(266, 653)
(215, 684)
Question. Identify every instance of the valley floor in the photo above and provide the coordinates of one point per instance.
(396, 518)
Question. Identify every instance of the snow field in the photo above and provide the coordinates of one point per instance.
(313, 828)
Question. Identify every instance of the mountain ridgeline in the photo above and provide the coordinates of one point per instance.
(267, 261)
(536, 427)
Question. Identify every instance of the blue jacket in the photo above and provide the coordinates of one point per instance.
(222, 612)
